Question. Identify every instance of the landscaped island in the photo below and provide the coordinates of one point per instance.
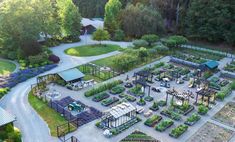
(92, 50)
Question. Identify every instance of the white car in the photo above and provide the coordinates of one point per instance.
(148, 113)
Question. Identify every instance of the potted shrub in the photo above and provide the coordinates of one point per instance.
(154, 107)
(202, 109)
(192, 119)
(178, 131)
(163, 125)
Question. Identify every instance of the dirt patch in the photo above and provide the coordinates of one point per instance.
(227, 114)
(210, 132)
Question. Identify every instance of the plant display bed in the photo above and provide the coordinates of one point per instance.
(148, 98)
(99, 97)
(227, 114)
(102, 88)
(178, 131)
(161, 103)
(138, 136)
(129, 98)
(151, 122)
(109, 101)
(183, 109)
(120, 129)
(141, 102)
(210, 132)
(171, 114)
(190, 58)
(163, 125)
(117, 90)
(230, 67)
(154, 107)
(194, 118)
(136, 91)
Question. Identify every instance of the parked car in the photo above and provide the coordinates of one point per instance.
(156, 90)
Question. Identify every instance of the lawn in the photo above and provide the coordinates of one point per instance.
(6, 67)
(92, 50)
(52, 118)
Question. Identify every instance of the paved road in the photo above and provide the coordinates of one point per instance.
(33, 128)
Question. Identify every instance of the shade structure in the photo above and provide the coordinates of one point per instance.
(6, 117)
(71, 74)
(211, 64)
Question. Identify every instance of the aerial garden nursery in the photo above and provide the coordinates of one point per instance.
(117, 71)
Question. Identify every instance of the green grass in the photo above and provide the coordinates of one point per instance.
(52, 118)
(92, 50)
(108, 62)
(6, 67)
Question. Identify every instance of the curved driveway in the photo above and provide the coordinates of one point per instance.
(33, 128)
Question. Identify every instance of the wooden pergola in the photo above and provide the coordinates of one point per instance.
(207, 95)
(144, 75)
(143, 83)
(184, 97)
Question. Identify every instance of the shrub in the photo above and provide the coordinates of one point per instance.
(54, 58)
(151, 38)
(3, 91)
(37, 59)
(140, 43)
(119, 35)
(117, 90)
(233, 85)
(202, 109)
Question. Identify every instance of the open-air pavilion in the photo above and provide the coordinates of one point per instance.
(71, 75)
(118, 115)
(6, 118)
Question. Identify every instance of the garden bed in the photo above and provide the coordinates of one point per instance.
(151, 122)
(138, 136)
(227, 114)
(101, 96)
(178, 131)
(163, 125)
(109, 101)
(136, 91)
(183, 109)
(194, 118)
(210, 132)
(117, 90)
(171, 114)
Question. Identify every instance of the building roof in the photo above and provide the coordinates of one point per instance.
(121, 109)
(94, 22)
(6, 117)
(211, 64)
(71, 74)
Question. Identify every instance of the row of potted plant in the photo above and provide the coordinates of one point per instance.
(101, 96)
(109, 101)
(117, 90)
(163, 125)
(102, 88)
(152, 121)
(178, 131)
(194, 118)
(171, 114)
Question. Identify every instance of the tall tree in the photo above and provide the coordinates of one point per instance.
(22, 20)
(112, 10)
(100, 35)
(138, 20)
(70, 18)
(212, 20)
